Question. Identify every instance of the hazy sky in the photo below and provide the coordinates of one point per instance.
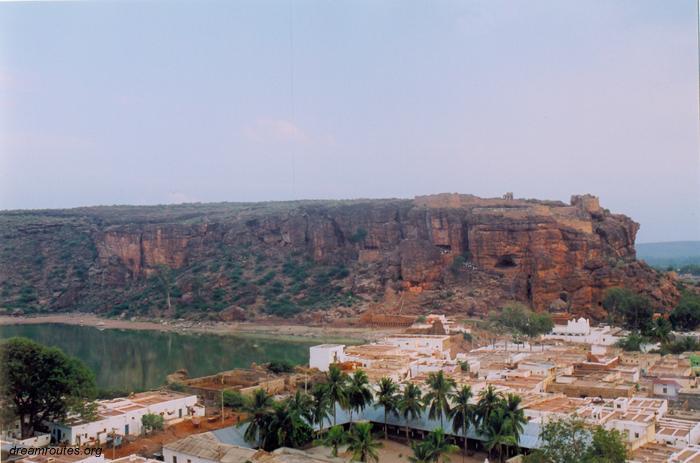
(154, 102)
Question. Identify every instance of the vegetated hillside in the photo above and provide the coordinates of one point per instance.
(448, 252)
(670, 253)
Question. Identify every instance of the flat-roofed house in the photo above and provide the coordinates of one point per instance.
(677, 433)
(324, 355)
(666, 387)
(122, 417)
(690, 454)
(427, 344)
(581, 331)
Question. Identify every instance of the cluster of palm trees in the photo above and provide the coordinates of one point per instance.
(498, 419)
(495, 417)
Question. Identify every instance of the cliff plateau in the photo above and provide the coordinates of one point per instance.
(322, 259)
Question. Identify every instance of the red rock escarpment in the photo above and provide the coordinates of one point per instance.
(537, 251)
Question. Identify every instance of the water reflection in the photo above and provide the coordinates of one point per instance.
(132, 359)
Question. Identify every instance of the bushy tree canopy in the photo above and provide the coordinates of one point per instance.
(625, 307)
(518, 318)
(570, 440)
(152, 422)
(39, 383)
(686, 315)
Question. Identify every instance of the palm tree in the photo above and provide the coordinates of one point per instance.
(320, 405)
(462, 412)
(437, 399)
(436, 443)
(257, 408)
(336, 384)
(359, 394)
(362, 444)
(300, 404)
(335, 437)
(421, 453)
(514, 416)
(387, 397)
(410, 404)
(488, 401)
(495, 429)
(285, 427)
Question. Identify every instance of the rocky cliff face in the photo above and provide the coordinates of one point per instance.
(448, 252)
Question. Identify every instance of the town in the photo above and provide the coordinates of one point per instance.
(429, 390)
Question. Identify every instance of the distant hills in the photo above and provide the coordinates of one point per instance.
(675, 253)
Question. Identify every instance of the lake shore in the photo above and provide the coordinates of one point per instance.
(274, 330)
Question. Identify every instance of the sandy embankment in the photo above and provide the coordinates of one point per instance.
(300, 332)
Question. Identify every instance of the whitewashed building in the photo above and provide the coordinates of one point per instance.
(324, 355)
(677, 433)
(122, 417)
(580, 331)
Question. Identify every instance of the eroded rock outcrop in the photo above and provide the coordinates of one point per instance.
(489, 250)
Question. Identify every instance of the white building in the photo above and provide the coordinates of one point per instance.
(690, 454)
(423, 344)
(580, 331)
(677, 433)
(122, 417)
(323, 355)
(666, 387)
(432, 350)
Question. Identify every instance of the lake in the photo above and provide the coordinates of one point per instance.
(141, 359)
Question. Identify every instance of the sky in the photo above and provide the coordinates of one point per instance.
(167, 102)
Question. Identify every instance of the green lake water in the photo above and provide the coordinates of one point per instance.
(141, 359)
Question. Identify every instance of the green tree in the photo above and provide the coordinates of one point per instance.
(633, 311)
(661, 329)
(518, 319)
(337, 385)
(489, 400)
(280, 367)
(152, 422)
(632, 342)
(537, 325)
(607, 446)
(334, 438)
(686, 315)
(435, 445)
(362, 444)
(679, 345)
(387, 398)
(258, 408)
(513, 316)
(358, 392)
(410, 404)
(234, 399)
(421, 453)
(39, 383)
(301, 404)
(462, 412)
(497, 432)
(570, 440)
(437, 399)
(320, 405)
(515, 419)
(284, 426)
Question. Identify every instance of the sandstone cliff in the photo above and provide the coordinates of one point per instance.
(446, 252)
